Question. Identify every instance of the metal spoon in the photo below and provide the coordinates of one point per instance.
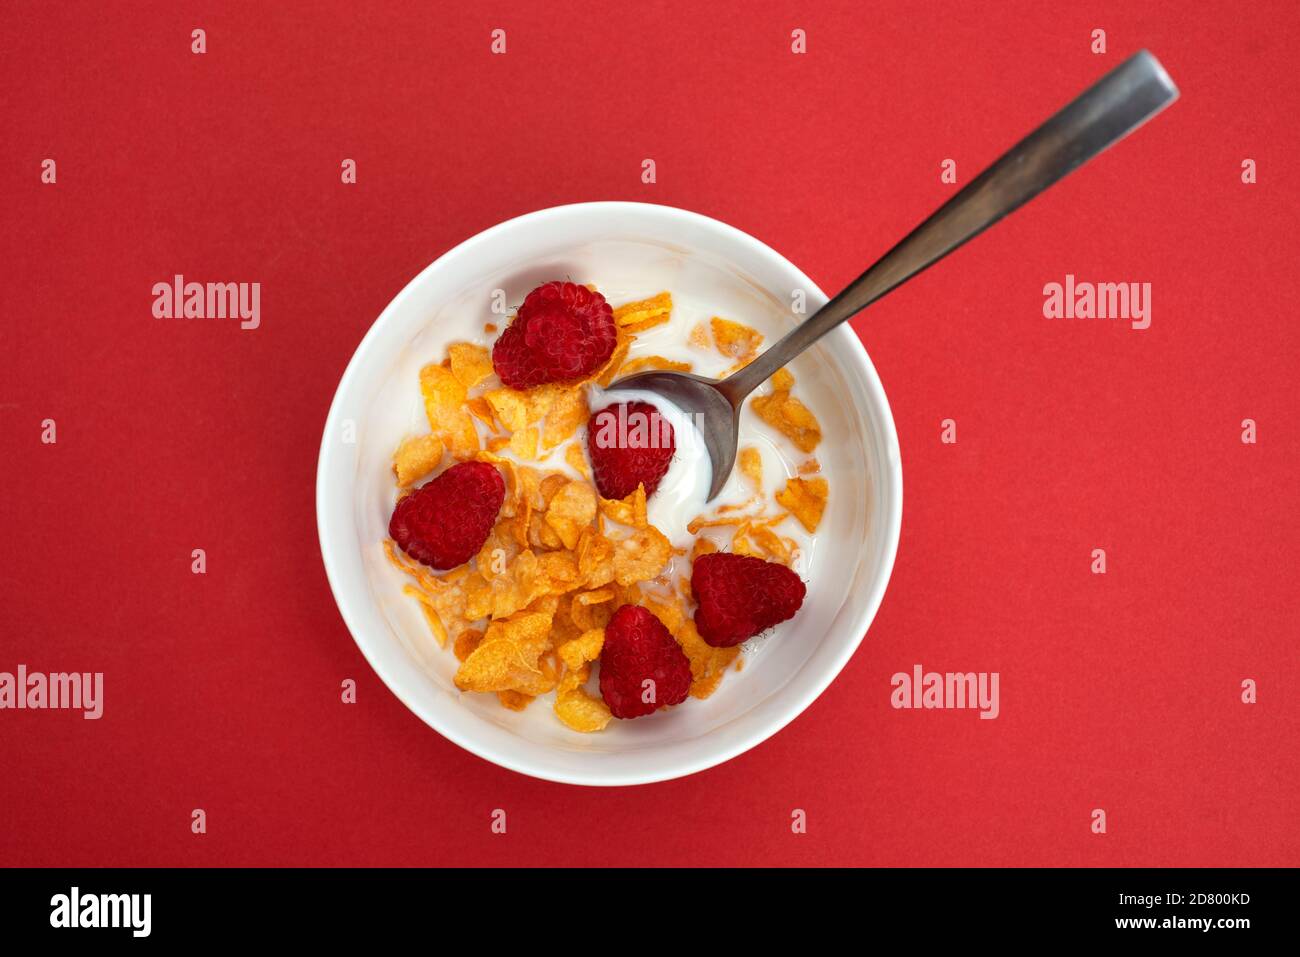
(1105, 113)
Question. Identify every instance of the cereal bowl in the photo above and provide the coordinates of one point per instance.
(628, 249)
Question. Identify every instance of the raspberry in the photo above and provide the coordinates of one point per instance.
(445, 522)
(629, 443)
(637, 649)
(563, 331)
(739, 596)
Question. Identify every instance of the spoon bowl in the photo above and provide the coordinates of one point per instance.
(714, 416)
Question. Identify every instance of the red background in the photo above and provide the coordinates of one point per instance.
(1119, 691)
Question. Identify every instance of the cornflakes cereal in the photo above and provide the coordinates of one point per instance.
(644, 314)
(751, 466)
(508, 657)
(466, 642)
(669, 612)
(735, 340)
(514, 700)
(509, 407)
(576, 459)
(527, 615)
(605, 375)
(444, 406)
(789, 416)
(582, 649)
(582, 711)
(592, 609)
(444, 394)
(478, 596)
(708, 664)
(566, 413)
(562, 627)
(646, 363)
(551, 484)
(511, 475)
(479, 408)
(577, 708)
(572, 510)
(430, 615)
(541, 535)
(470, 364)
(525, 581)
(523, 444)
(595, 559)
(530, 495)
(540, 399)
(630, 510)
(442, 599)
(741, 545)
(806, 500)
(701, 521)
(702, 546)
(641, 556)
(415, 458)
(561, 568)
(771, 543)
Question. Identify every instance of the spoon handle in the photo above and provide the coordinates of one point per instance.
(1105, 113)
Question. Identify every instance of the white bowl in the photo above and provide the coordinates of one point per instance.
(630, 248)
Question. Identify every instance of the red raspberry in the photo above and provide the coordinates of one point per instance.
(637, 649)
(739, 596)
(629, 443)
(563, 331)
(444, 523)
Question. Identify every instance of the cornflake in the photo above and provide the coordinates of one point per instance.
(735, 340)
(787, 414)
(415, 458)
(751, 466)
(645, 314)
(806, 500)
(641, 556)
(646, 363)
(576, 707)
(470, 364)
